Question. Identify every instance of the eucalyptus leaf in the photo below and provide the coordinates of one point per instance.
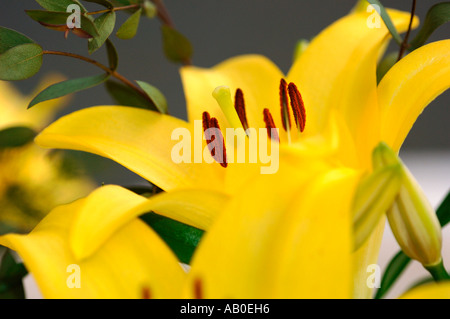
(60, 18)
(398, 264)
(113, 57)
(105, 26)
(67, 87)
(10, 38)
(16, 136)
(129, 28)
(177, 47)
(387, 21)
(59, 5)
(20, 62)
(155, 95)
(124, 95)
(181, 238)
(437, 15)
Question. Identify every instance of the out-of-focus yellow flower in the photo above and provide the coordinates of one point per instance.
(33, 180)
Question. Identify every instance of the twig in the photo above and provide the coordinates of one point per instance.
(405, 45)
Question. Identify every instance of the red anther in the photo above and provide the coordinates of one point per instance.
(213, 137)
(268, 119)
(298, 107)
(239, 105)
(285, 116)
(198, 289)
(146, 294)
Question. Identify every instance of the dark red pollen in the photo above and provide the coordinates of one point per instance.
(212, 139)
(298, 107)
(285, 116)
(198, 289)
(268, 119)
(146, 294)
(239, 105)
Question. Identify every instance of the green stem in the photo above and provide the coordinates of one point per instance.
(438, 272)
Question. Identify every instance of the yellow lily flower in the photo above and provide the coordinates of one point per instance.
(347, 114)
(32, 180)
(286, 242)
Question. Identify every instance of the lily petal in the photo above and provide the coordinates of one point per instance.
(246, 262)
(134, 258)
(409, 87)
(140, 140)
(98, 219)
(255, 75)
(338, 69)
(429, 291)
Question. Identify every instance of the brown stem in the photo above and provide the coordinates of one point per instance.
(131, 6)
(103, 67)
(404, 45)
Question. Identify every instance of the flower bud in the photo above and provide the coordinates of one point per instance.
(375, 194)
(412, 219)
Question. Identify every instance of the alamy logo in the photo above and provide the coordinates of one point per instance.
(374, 20)
(74, 279)
(74, 20)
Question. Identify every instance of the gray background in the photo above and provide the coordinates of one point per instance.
(217, 30)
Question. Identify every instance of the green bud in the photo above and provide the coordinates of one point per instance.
(412, 219)
(149, 9)
(375, 194)
(300, 47)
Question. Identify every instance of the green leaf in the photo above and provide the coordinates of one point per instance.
(104, 3)
(395, 268)
(105, 26)
(181, 238)
(443, 212)
(124, 95)
(159, 100)
(10, 38)
(11, 274)
(437, 15)
(386, 64)
(59, 5)
(177, 47)
(398, 264)
(129, 28)
(387, 21)
(60, 18)
(67, 87)
(113, 57)
(20, 62)
(16, 136)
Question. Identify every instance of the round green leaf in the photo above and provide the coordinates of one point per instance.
(129, 28)
(10, 38)
(155, 95)
(20, 62)
(177, 47)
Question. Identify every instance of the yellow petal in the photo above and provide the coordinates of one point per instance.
(410, 86)
(140, 140)
(110, 207)
(338, 69)
(255, 75)
(240, 257)
(429, 291)
(132, 259)
(13, 105)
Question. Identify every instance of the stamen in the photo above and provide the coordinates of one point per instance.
(270, 125)
(298, 107)
(198, 289)
(211, 139)
(146, 294)
(285, 116)
(239, 106)
(222, 95)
